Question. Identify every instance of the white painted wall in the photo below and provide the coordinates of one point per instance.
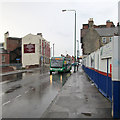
(99, 58)
(103, 65)
(31, 58)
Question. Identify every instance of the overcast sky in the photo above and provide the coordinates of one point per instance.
(21, 17)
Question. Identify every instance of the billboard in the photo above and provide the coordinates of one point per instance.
(29, 48)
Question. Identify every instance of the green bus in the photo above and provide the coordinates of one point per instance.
(60, 64)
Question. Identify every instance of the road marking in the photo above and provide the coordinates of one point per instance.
(26, 91)
(6, 103)
(18, 96)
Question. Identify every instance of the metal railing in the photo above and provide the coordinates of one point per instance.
(11, 64)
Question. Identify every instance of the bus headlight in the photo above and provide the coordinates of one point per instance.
(50, 68)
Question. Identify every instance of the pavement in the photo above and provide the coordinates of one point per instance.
(79, 98)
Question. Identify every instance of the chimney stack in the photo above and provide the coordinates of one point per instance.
(39, 34)
(109, 24)
(90, 22)
(6, 35)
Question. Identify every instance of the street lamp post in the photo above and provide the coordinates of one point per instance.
(74, 40)
(53, 49)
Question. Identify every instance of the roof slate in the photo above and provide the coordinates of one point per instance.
(107, 31)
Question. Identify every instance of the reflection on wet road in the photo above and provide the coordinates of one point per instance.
(27, 95)
(59, 78)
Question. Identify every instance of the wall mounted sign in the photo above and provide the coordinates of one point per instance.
(29, 48)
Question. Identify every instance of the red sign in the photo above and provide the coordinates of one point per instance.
(29, 48)
(110, 68)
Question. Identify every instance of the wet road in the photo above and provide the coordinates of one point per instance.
(28, 95)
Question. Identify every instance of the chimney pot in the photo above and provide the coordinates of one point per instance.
(39, 34)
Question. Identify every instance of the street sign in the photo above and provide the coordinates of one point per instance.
(17, 58)
(41, 57)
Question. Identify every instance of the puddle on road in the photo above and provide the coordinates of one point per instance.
(29, 72)
(12, 77)
(40, 71)
(19, 76)
(13, 88)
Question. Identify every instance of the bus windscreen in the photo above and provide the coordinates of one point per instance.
(56, 63)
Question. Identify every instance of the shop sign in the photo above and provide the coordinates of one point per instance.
(29, 48)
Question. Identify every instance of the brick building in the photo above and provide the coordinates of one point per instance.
(45, 51)
(13, 47)
(4, 60)
(4, 55)
(95, 36)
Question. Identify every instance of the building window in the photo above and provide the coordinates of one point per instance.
(110, 39)
(3, 58)
(40, 49)
(104, 40)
